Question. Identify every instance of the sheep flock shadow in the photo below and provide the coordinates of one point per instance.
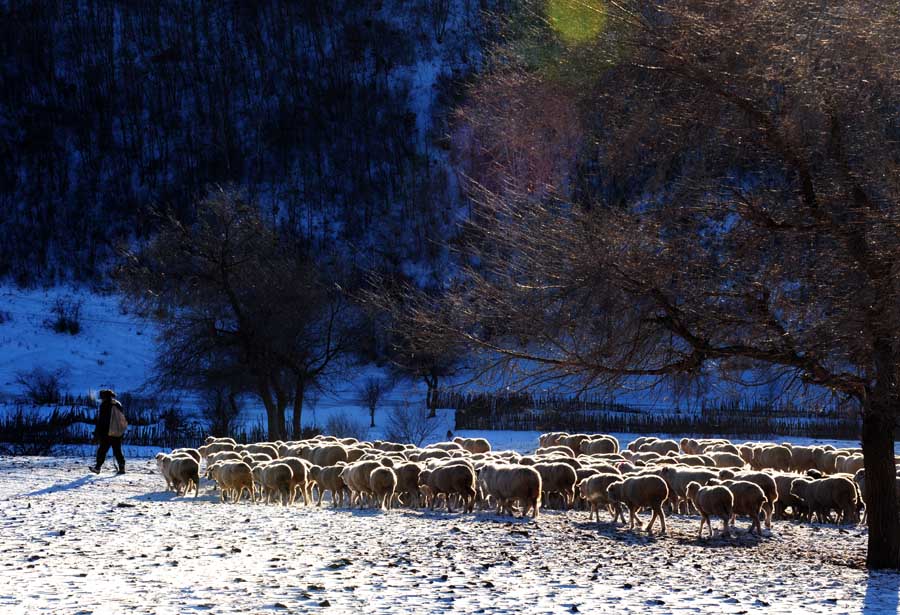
(738, 538)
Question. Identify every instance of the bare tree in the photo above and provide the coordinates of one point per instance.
(407, 422)
(734, 208)
(238, 302)
(371, 393)
(416, 350)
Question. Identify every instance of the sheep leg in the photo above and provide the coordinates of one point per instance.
(658, 513)
(767, 509)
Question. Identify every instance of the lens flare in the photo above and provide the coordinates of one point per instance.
(576, 21)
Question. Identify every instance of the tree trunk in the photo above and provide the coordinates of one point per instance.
(431, 396)
(297, 418)
(274, 409)
(881, 495)
(371, 416)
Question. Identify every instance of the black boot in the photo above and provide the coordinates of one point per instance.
(121, 469)
(94, 469)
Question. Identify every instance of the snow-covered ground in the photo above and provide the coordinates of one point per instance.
(78, 543)
(113, 349)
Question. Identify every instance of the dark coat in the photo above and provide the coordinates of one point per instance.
(104, 416)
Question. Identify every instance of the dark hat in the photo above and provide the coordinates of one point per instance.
(104, 393)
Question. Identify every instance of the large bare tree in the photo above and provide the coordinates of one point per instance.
(731, 205)
(239, 303)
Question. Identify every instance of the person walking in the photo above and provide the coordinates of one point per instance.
(109, 431)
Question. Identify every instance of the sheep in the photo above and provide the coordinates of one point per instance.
(635, 444)
(450, 480)
(389, 447)
(429, 454)
(803, 458)
(550, 439)
(712, 500)
(275, 477)
(600, 467)
(184, 472)
(677, 480)
(474, 445)
(233, 477)
(383, 484)
(408, 482)
(445, 446)
(745, 452)
(765, 481)
(786, 499)
(162, 464)
(223, 456)
(660, 447)
(646, 457)
(555, 450)
(328, 479)
(749, 499)
(558, 478)
(505, 483)
(212, 439)
(641, 491)
(689, 446)
(356, 477)
(599, 445)
(824, 494)
(826, 460)
(354, 454)
(573, 441)
(300, 481)
(594, 490)
(327, 455)
(215, 447)
(697, 460)
(268, 449)
(726, 460)
(771, 457)
(719, 446)
(256, 457)
(192, 452)
(849, 464)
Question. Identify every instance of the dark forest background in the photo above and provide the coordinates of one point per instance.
(334, 116)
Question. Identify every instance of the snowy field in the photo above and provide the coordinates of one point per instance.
(78, 543)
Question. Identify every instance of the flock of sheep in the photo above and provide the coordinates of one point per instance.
(713, 477)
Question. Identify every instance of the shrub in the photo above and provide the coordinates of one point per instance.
(346, 426)
(42, 386)
(408, 423)
(66, 316)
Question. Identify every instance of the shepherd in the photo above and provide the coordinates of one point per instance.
(110, 429)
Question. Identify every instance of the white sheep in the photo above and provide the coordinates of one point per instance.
(383, 484)
(594, 490)
(636, 492)
(749, 499)
(714, 500)
(505, 484)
